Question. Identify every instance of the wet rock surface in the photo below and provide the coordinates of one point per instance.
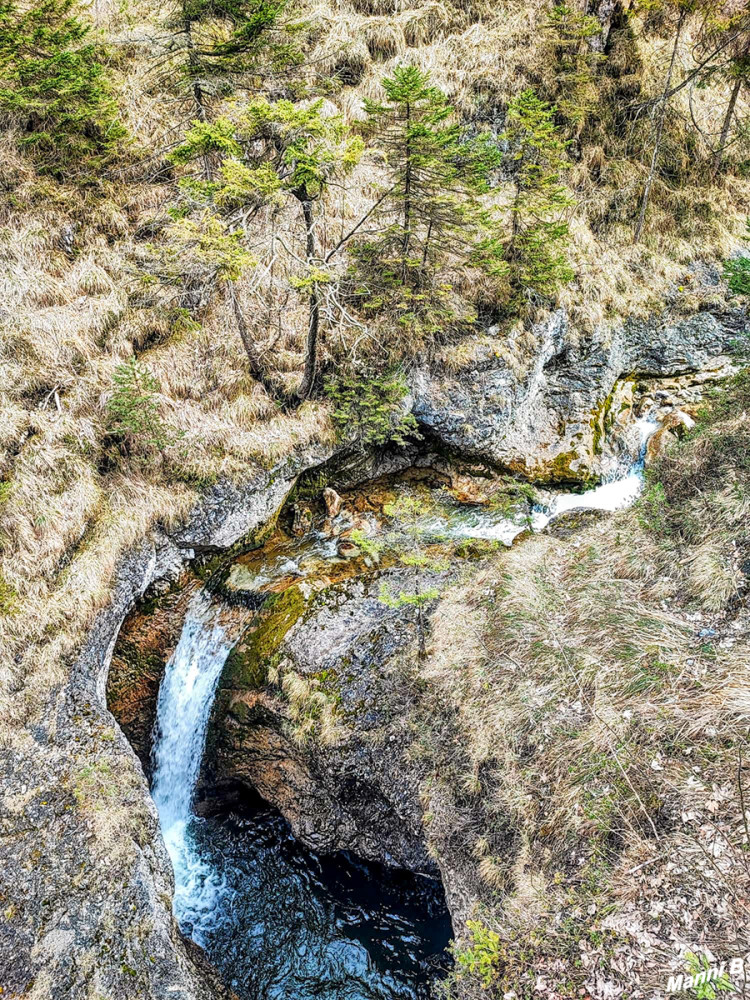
(548, 421)
(85, 881)
(356, 792)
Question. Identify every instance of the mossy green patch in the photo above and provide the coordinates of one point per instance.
(248, 663)
(8, 598)
(560, 468)
(214, 569)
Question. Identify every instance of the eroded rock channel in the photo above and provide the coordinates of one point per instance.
(273, 702)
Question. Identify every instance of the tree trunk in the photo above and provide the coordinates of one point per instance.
(420, 616)
(197, 91)
(247, 341)
(719, 155)
(251, 350)
(659, 131)
(406, 245)
(311, 348)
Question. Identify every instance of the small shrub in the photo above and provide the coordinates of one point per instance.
(737, 275)
(708, 990)
(737, 272)
(8, 598)
(651, 508)
(481, 960)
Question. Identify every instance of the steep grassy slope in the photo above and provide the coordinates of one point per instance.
(601, 686)
(73, 304)
(73, 499)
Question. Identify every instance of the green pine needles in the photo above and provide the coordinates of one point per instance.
(55, 90)
(433, 243)
(431, 214)
(222, 43)
(372, 411)
(537, 253)
(570, 33)
(737, 271)
(133, 412)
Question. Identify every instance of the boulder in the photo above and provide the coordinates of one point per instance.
(659, 444)
(332, 501)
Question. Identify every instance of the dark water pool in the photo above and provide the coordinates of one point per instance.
(290, 924)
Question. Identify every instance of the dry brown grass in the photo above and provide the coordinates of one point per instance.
(600, 686)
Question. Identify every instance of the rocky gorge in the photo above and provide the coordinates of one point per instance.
(87, 882)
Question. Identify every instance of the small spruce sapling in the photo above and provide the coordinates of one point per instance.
(411, 515)
(371, 410)
(133, 413)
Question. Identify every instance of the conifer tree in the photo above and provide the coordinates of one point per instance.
(570, 32)
(430, 213)
(273, 152)
(133, 408)
(218, 43)
(537, 253)
(54, 88)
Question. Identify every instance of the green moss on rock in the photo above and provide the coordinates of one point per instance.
(248, 663)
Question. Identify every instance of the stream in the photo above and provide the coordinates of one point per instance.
(276, 919)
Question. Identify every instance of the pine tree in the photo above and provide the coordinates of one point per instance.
(133, 408)
(570, 33)
(54, 87)
(218, 43)
(370, 411)
(430, 213)
(537, 253)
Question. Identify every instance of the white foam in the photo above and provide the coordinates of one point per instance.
(184, 705)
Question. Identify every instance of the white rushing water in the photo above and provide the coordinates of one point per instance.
(189, 685)
(621, 489)
(185, 699)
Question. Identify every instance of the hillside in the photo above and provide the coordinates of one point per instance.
(227, 261)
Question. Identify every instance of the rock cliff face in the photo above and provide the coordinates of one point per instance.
(86, 884)
(550, 420)
(351, 789)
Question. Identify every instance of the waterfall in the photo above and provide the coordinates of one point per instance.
(185, 699)
(621, 489)
(277, 920)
